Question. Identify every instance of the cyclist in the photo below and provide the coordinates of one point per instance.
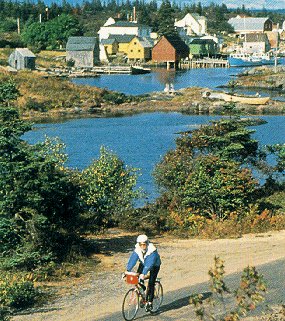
(149, 261)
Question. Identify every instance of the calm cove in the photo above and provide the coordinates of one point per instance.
(139, 140)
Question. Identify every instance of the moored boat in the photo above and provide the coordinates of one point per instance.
(249, 60)
(244, 99)
(250, 100)
(135, 70)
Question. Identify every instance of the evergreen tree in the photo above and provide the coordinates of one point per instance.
(165, 19)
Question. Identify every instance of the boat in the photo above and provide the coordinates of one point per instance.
(243, 99)
(250, 100)
(136, 70)
(251, 60)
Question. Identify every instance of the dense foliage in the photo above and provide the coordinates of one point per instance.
(108, 190)
(91, 15)
(38, 198)
(42, 202)
(52, 33)
(209, 174)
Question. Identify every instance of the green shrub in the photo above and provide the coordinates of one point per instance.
(70, 63)
(114, 97)
(33, 104)
(5, 313)
(22, 295)
(8, 235)
(26, 258)
(17, 292)
(108, 190)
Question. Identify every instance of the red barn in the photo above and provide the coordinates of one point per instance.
(170, 49)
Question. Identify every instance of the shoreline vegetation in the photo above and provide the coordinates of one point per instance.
(45, 98)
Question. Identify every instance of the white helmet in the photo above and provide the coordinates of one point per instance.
(142, 239)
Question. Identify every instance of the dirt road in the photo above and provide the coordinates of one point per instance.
(185, 263)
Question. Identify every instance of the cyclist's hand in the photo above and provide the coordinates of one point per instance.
(123, 275)
(141, 277)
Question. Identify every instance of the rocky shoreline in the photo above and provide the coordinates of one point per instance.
(189, 101)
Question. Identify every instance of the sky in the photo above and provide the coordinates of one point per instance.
(249, 4)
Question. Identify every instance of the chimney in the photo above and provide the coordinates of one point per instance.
(134, 15)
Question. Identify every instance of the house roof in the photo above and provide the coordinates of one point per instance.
(177, 43)
(122, 38)
(146, 43)
(127, 24)
(108, 41)
(25, 52)
(254, 24)
(256, 37)
(81, 43)
(202, 41)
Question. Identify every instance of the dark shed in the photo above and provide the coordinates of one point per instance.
(22, 58)
(84, 51)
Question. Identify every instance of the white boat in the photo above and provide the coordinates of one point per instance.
(247, 60)
(244, 99)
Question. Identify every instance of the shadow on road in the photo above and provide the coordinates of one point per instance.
(174, 305)
(180, 303)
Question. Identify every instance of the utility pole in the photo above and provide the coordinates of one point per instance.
(18, 25)
(47, 12)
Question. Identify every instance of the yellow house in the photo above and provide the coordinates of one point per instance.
(139, 49)
(111, 46)
(122, 41)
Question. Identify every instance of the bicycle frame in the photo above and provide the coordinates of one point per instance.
(135, 298)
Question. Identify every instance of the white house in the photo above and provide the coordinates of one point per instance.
(191, 24)
(256, 43)
(245, 25)
(112, 27)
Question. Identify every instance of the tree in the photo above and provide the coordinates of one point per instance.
(108, 189)
(204, 172)
(216, 187)
(8, 92)
(52, 33)
(39, 204)
(165, 19)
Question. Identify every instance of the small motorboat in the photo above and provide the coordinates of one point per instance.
(136, 70)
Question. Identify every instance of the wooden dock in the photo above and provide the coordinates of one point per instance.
(112, 69)
(205, 63)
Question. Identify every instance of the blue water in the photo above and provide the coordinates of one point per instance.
(158, 78)
(139, 140)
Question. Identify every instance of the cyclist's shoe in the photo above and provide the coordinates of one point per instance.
(148, 306)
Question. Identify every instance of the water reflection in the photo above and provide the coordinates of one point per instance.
(159, 77)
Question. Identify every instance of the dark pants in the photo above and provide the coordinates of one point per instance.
(151, 282)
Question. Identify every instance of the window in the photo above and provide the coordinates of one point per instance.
(139, 50)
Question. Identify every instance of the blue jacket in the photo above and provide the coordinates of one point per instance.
(150, 259)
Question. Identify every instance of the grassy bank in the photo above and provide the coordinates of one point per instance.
(44, 97)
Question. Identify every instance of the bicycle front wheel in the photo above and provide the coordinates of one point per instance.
(130, 305)
(158, 297)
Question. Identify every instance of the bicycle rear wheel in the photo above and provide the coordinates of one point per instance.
(130, 305)
(158, 297)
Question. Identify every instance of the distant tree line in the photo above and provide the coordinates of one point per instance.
(87, 17)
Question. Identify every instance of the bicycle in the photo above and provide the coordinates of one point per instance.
(135, 297)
